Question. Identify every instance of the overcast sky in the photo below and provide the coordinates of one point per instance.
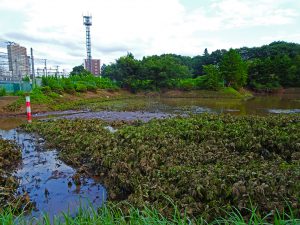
(54, 29)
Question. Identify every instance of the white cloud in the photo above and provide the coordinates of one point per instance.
(139, 26)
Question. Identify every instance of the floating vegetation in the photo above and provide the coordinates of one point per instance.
(205, 163)
(10, 155)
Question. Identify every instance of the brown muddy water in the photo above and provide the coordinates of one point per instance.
(285, 103)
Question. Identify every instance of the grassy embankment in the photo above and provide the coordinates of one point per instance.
(112, 214)
(99, 99)
(207, 164)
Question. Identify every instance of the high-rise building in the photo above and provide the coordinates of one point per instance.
(18, 60)
(95, 66)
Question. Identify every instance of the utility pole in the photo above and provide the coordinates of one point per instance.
(57, 70)
(32, 67)
(45, 62)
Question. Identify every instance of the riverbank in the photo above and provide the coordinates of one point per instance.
(204, 163)
(40, 102)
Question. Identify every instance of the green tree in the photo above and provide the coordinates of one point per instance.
(77, 70)
(214, 79)
(234, 69)
(206, 54)
(282, 64)
(160, 69)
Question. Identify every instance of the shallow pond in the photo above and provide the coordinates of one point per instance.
(48, 181)
(287, 102)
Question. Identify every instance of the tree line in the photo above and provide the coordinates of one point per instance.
(263, 68)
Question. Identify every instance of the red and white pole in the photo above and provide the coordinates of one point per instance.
(28, 109)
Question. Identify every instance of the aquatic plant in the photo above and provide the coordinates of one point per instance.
(205, 163)
(10, 155)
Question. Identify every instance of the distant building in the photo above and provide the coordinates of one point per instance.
(95, 66)
(18, 60)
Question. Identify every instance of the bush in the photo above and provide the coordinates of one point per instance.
(105, 83)
(80, 83)
(19, 93)
(46, 89)
(26, 79)
(2, 92)
(69, 87)
(189, 83)
(53, 95)
(138, 85)
(91, 87)
(56, 86)
(268, 87)
(81, 87)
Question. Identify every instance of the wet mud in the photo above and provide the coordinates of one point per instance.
(114, 115)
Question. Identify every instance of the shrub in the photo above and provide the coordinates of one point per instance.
(69, 87)
(2, 92)
(80, 83)
(26, 79)
(105, 83)
(53, 95)
(19, 93)
(138, 85)
(81, 87)
(46, 89)
(55, 85)
(91, 87)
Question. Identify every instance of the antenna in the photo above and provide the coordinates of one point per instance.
(87, 22)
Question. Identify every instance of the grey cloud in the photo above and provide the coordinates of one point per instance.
(29, 38)
(111, 49)
(77, 53)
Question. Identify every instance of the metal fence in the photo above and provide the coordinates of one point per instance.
(12, 87)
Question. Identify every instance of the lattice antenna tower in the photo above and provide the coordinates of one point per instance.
(87, 21)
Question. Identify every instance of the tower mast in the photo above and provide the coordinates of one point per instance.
(87, 21)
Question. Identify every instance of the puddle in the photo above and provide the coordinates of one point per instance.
(284, 111)
(48, 180)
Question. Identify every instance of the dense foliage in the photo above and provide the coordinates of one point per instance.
(76, 83)
(233, 69)
(2, 91)
(205, 163)
(268, 68)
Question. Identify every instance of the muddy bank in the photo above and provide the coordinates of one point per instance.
(113, 116)
(51, 185)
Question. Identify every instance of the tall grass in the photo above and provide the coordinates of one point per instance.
(113, 214)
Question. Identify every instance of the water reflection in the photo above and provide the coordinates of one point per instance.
(48, 181)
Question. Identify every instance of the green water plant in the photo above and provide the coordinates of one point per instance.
(205, 163)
